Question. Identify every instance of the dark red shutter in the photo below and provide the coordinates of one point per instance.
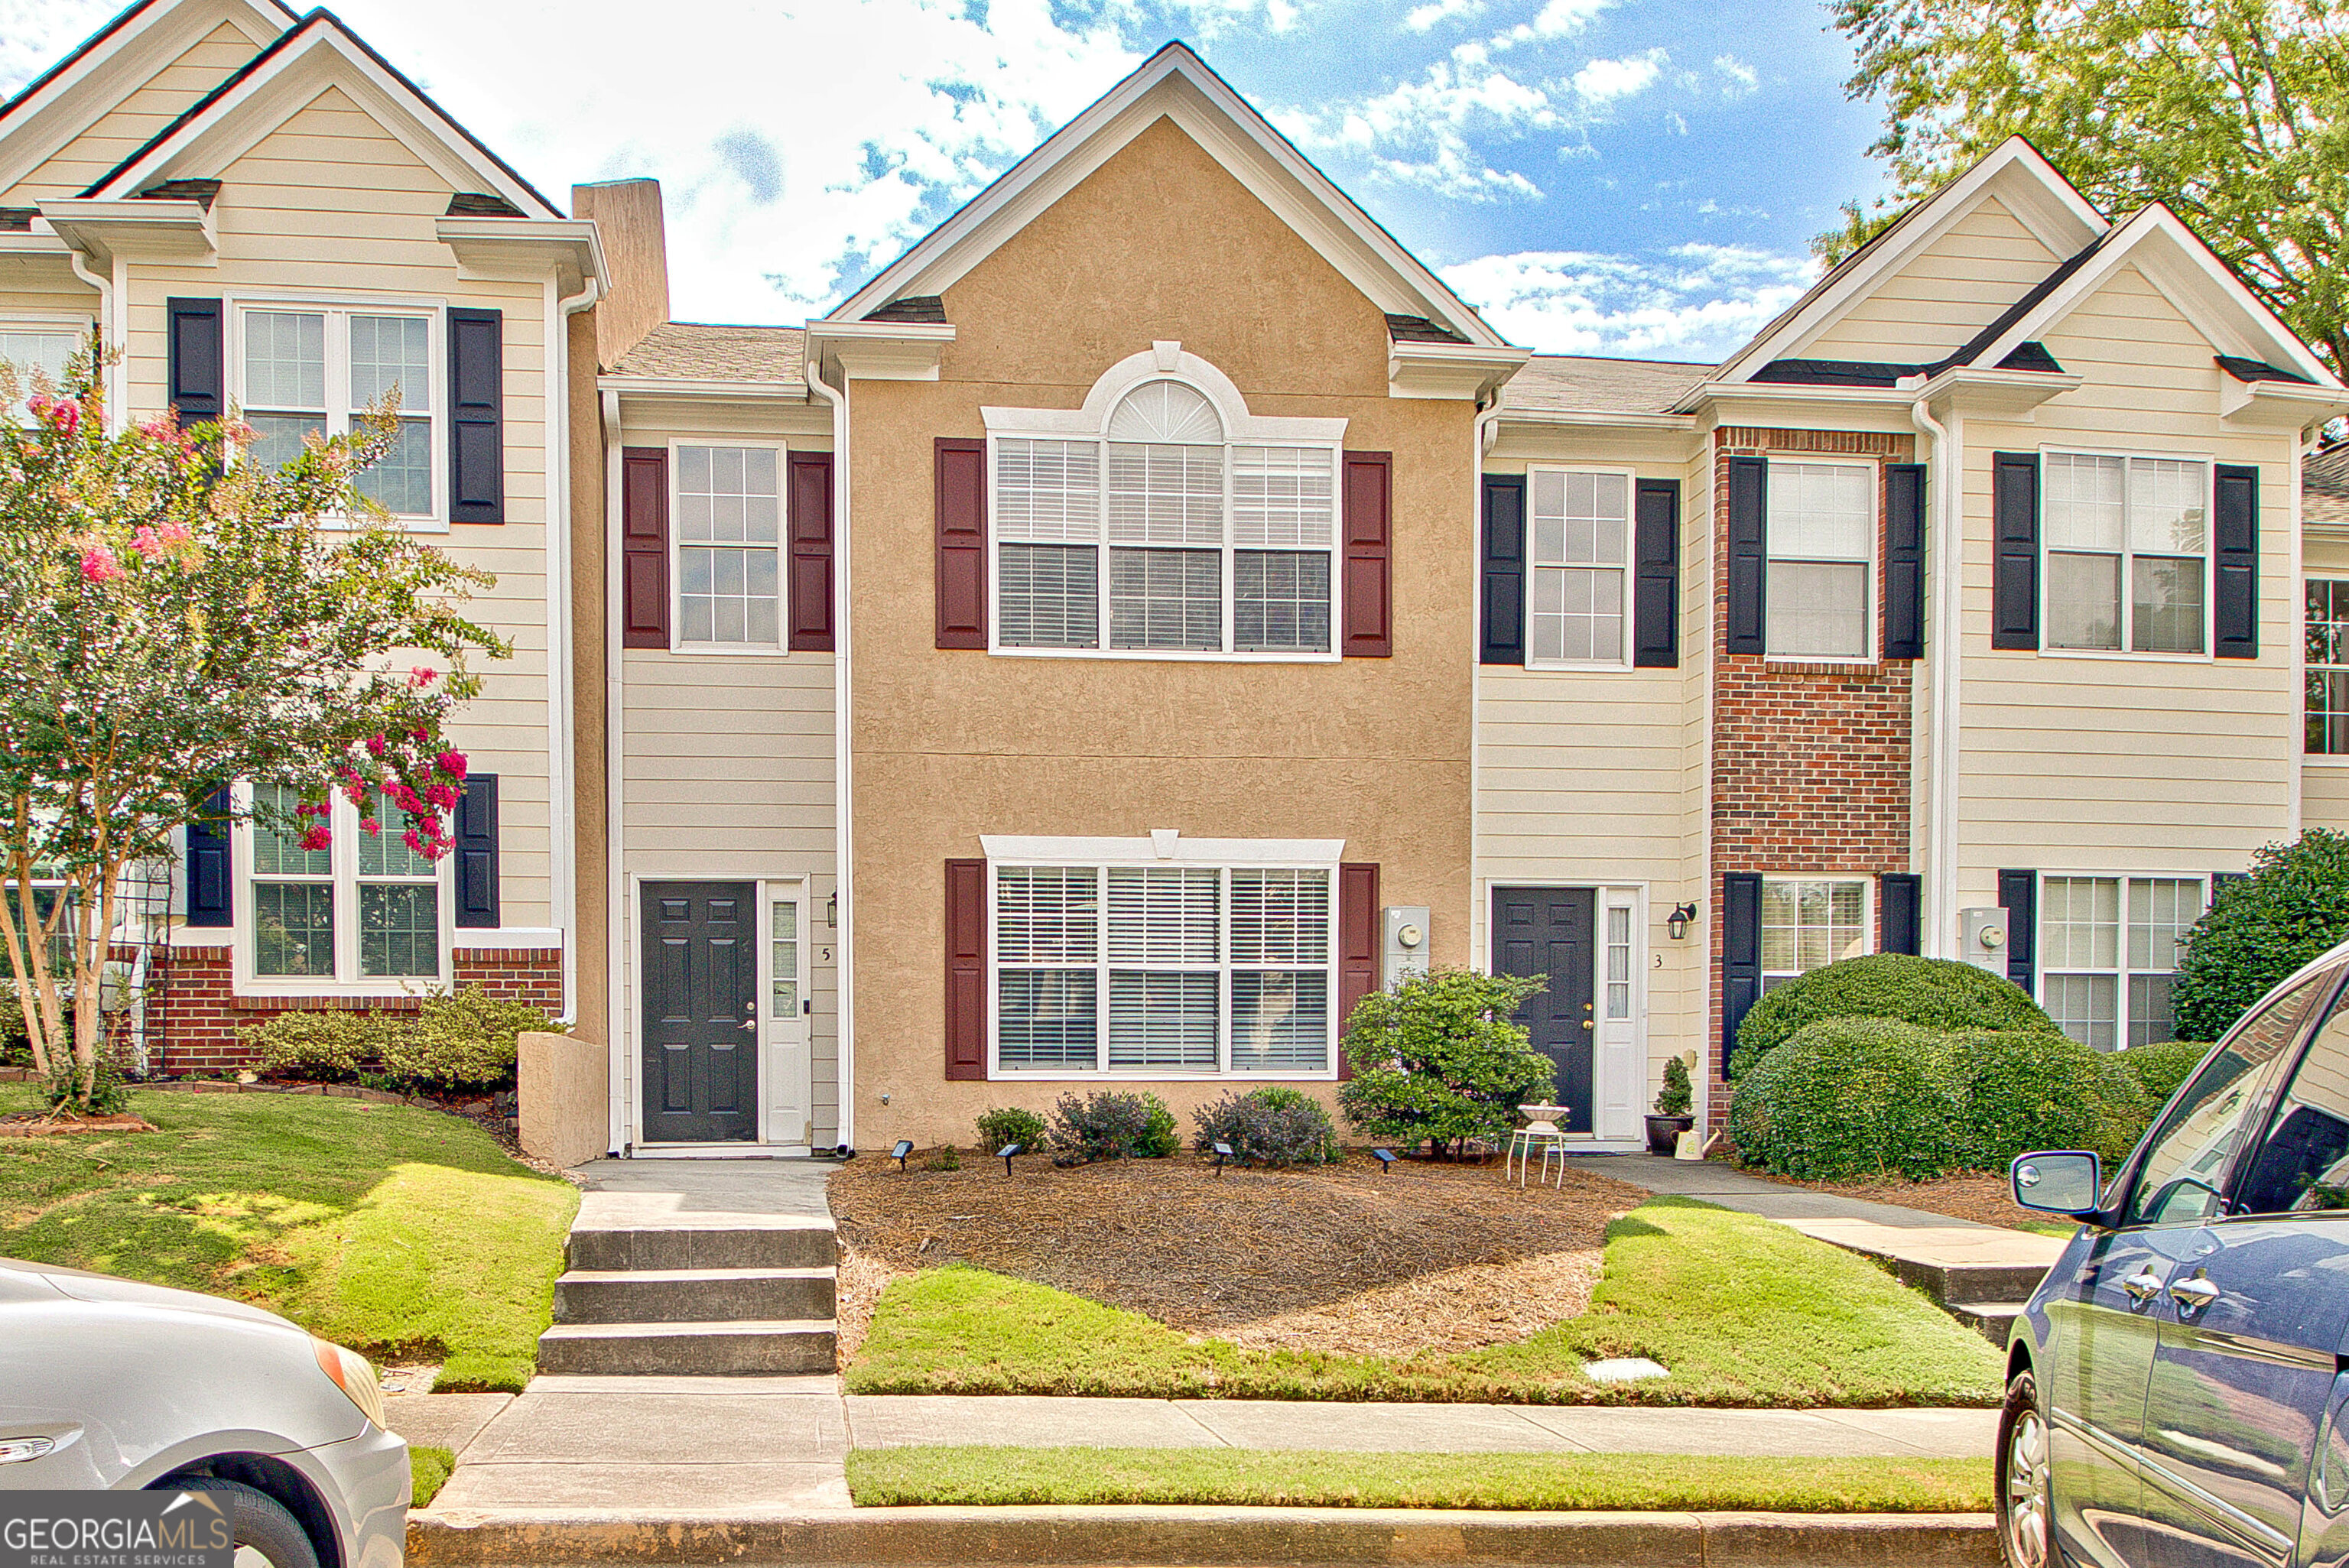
(811, 567)
(644, 547)
(1368, 596)
(966, 969)
(1358, 946)
(962, 542)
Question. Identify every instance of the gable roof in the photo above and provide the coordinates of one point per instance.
(317, 51)
(1175, 84)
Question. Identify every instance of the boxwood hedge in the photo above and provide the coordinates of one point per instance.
(2022, 1090)
(1930, 992)
(1849, 1099)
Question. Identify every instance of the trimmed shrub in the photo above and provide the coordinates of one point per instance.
(1851, 1099)
(2158, 1066)
(1675, 1097)
(1275, 1125)
(1008, 1124)
(2021, 1091)
(317, 1048)
(1110, 1125)
(1440, 1058)
(1930, 992)
(461, 1041)
(2292, 907)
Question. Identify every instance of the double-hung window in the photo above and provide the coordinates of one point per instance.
(2109, 953)
(363, 911)
(2327, 661)
(29, 347)
(2127, 551)
(1162, 535)
(729, 543)
(1581, 565)
(1821, 527)
(312, 371)
(1160, 970)
(1809, 923)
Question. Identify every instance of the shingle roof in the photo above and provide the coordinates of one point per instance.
(2324, 485)
(1572, 383)
(693, 351)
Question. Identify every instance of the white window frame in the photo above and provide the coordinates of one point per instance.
(346, 980)
(1630, 478)
(1869, 936)
(2309, 667)
(782, 646)
(46, 322)
(339, 309)
(1873, 607)
(2128, 557)
(1100, 856)
(2121, 971)
(1166, 362)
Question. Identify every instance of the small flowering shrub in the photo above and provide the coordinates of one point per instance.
(1108, 1125)
(1275, 1125)
(1008, 1124)
(315, 1048)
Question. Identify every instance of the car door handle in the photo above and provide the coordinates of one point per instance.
(2141, 1285)
(2193, 1294)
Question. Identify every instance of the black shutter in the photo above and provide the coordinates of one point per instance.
(1656, 579)
(1505, 570)
(2018, 894)
(1740, 953)
(1904, 565)
(477, 440)
(198, 361)
(212, 901)
(2015, 546)
(477, 853)
(1749, 553)
(1899, 913)
(2235, 595)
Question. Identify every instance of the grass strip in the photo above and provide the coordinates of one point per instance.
(1741, 1311)
(983, 1477)
(391, 1228)
(428, 1470)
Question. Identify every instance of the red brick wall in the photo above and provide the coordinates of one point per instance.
(1810, 761)
(196, 1013)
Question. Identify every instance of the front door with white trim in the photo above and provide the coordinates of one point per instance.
(787, 1015)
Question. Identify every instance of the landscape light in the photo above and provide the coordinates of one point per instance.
(1005, 1152)
(1223, 1152)
(1385, 1157)
(904, 1147)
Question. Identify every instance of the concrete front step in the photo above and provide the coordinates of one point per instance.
(1991, 1319)
(681, 1349)
(694, 1295)
(740, 1241)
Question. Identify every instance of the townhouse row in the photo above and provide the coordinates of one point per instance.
(1155, 610)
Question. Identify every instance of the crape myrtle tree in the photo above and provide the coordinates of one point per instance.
(175, 618)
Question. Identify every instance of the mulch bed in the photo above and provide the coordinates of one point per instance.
(36, 1124)
(1341, 1258)
(1975, 1195)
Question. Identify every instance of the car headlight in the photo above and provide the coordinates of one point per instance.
(353, 1374)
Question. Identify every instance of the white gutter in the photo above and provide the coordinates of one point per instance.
(1945, 534)
(562, 801)
(109, 335)
(842, 795)
(615, 881)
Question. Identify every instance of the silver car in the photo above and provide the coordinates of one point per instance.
(108, 1384)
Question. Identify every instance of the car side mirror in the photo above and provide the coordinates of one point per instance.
(2066, 1183)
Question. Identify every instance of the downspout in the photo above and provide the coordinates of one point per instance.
(616, 882)
(109, 336)
(1945, 533)
(563, 804)
(842, 795)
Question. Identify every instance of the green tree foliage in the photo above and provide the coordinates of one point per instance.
(2233, 112)
(2294, 906)
(1440, 1058)
(1932, 992)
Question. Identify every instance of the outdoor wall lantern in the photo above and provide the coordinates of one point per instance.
(832, 911)
(904, 1147)
(1005, 1152)
(1677, 923)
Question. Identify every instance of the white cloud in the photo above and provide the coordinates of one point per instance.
(1557, 19)
(1420, 133)
(1738, 77)
(1422, 17)
(1604, 81)
(1693, 302)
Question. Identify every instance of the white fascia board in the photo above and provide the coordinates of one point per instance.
(1465, 371)
(1175, 84)
(527, 248)
(1737, 393)
(303, 66)
(137, 231)
(683, 387)
(93, 80)
(2278, 405)
(1591, 419)
(879, 350)
(1999, 393)
(2043, 201)
(1018, 849)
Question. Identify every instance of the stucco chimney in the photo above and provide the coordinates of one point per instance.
(627, 214)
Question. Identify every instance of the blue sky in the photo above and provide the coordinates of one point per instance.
(1635, 177)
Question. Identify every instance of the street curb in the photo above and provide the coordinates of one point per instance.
(1200, 1537)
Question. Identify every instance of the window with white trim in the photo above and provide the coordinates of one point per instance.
(1212, 546)
(729, 511)
(1164, 969)
(2327, 662)
(1820, 601)
(2106, 979)
(28, 348)
(1619, 961)
(2128, 552)
(1581, 564)
(362, 909)
(313, 370)
(1808, 923)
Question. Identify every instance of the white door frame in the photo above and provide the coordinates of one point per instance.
(1619, 1055)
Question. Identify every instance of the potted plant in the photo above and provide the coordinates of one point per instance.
(1672, 1117)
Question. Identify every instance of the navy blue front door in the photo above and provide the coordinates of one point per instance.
(1551, 930)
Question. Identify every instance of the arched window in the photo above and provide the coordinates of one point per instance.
(1214, 544)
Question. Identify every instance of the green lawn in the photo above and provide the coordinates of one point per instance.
(392, 1229)
(1743, 1311)
(887, 1477)
(428, 1470)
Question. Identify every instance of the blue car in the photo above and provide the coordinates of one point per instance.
(2176, 1387)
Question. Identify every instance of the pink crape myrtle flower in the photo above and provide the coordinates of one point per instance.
(63, 415)
(175, 534)
(99, 564)
(144, 541)
(370, 826)
(318, 838)
(377, 746)
(422, 676)
(453, 763)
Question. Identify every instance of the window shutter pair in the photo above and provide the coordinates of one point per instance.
(211, 885)
(1655, 574)
(1364, 570)
(644, 550)
(1904, 558)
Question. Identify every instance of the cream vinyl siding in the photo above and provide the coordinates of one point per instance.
(2129, 762)
(134, 121)
(2323, 781)
(1944, 296)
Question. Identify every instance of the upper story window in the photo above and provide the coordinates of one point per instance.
(1580, 561)
(359, 911)
(1821, 527)
(1167, 523)
(729, 507)
(308, 371)
(2327, 660)
(2128, 552)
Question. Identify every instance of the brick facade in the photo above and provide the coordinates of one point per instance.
(194, 1013)
(1811, 762)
